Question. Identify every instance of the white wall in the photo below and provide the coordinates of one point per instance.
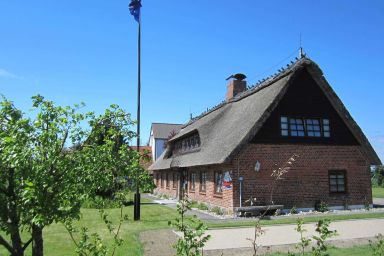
(159, 147)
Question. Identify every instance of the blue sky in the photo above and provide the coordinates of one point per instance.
(72, 51)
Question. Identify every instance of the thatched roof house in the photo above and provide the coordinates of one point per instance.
(296, 107)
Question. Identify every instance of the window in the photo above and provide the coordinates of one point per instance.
(296, 127)
(203, 181)
(218, 182)
(192, 181)
(157, 179)
(174, 180)
(162, 180)
(313, 127)
(167, 180)
(337, 182)
(187, 144)
(326, 129)
(305, 127)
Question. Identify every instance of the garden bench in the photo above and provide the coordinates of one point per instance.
(257, 210)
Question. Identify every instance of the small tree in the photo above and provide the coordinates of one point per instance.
(48, 168)
(15, 163)
(322, 228)
(193, 239)
(277, 175)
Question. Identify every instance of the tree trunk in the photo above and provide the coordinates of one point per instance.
(37, 243)
(13, 216)
(17, 244)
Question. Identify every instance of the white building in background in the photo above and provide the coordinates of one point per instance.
(160, 133)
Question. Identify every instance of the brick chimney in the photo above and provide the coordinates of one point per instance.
(234, 87)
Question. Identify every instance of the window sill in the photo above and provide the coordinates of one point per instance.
(202, 192)
(192, 191)
(336, 194)
(218, 195)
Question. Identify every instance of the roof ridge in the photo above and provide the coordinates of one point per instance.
(261, 84)
(168, 123)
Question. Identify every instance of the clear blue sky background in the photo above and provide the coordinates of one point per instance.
(72, 51)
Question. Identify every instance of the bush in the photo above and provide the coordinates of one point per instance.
(217, 210)
(194, 204)
(378, 246)
(202, 206)
(293, 210)
(321, 206)
(99, 202)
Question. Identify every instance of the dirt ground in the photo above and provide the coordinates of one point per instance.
(159, 243)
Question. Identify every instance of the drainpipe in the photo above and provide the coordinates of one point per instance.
(241, 189)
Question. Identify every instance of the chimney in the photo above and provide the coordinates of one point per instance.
(235, 85)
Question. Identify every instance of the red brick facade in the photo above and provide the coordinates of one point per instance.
(306, 183)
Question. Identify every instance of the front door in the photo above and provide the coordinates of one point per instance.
(183, 184)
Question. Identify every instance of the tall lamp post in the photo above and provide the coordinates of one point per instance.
(134, 8)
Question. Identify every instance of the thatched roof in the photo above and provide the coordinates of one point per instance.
(226, 128)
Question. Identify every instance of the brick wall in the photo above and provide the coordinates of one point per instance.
(306, 183)
(224, 200)
(308, 179)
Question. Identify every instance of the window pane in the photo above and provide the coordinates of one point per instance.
(293, 133)
(317, 134)
(326, 128)
(284, 126)
(293, 127)
(325, 121)
(333, 188)
(333, 182)
(341, 188)
(284, 119)
(315, 121)
(300, 127)
(284, 132)
(301, 133)
(327, 134)
(311, 134)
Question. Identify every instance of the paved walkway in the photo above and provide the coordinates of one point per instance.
(286, 234)
(172, 204)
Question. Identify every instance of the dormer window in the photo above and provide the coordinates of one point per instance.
(305, 127)
(187, 144)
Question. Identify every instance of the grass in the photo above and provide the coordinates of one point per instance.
(378, 192)
(57, 241)
(292, 220)
(351, 251)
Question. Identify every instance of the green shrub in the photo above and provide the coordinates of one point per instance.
(202, 206)
(321, 206)
(194, 204)
(293, 210)
(378, 246)
(217, 210)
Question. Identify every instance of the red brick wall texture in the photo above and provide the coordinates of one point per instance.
(306, 183)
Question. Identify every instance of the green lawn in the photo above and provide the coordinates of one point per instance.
(57, 241)
(352, 251)
(293, 219)
(378, 192)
